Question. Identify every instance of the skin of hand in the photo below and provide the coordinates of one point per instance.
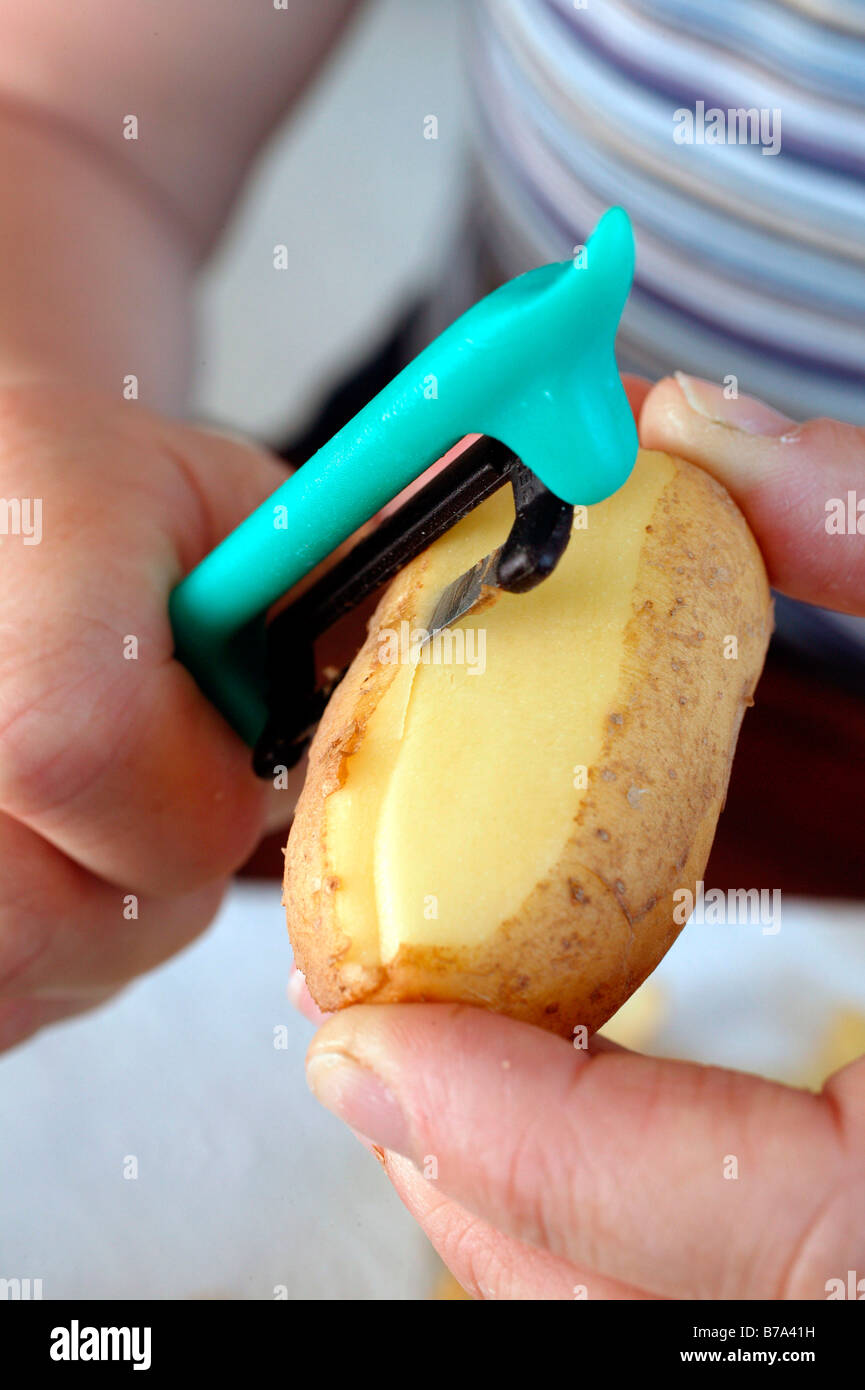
(117, 776)
(539, 1171)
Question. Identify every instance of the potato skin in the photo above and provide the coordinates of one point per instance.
(590, 933)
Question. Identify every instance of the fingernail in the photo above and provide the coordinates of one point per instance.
(296, 987)
(737, 412)
(358, 1097)
(300, 998)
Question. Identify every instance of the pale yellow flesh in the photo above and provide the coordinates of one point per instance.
(461, 795)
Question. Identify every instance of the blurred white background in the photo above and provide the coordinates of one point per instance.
(365, 205)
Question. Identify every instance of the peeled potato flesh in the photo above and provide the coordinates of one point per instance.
(512, 836)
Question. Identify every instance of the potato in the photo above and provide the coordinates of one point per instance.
(512, 836)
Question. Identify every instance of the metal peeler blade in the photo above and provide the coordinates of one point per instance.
(535, 545)
(461, 596)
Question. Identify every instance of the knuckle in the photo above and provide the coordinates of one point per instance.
(831, 1242)
(531, 1187)
(832, 1239)
(834, 437)
(53, 731)
(478, 1260)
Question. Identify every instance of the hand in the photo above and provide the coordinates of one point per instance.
(542, 1172)
(118, 780)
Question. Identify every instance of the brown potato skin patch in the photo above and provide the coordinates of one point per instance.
(599, 923)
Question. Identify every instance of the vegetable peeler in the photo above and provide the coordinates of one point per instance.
(530, 368)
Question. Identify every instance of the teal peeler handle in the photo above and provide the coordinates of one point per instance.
(532, 365)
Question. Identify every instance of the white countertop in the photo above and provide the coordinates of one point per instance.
(244, 1183)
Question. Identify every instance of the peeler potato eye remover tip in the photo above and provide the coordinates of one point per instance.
(531, 367)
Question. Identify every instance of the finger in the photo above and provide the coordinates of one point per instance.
(490, 1265)
(300, 998)
(68, 939)
(800, 486)
(684, 1180)
(20, 1019)
(107, 746)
